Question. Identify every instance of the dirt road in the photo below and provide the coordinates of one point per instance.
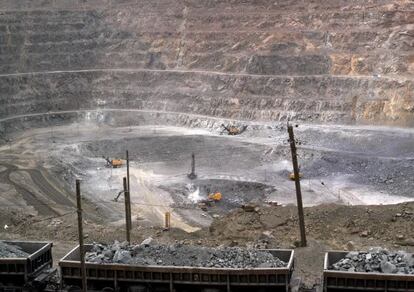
(50, 203)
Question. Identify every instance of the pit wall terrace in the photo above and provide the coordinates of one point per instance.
(319, 61)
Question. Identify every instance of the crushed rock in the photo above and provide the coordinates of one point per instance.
(11, 251)
(151, 253)
(377, 260)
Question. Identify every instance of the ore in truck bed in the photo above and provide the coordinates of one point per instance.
(376, 260)
(11, 251)
(150, 254)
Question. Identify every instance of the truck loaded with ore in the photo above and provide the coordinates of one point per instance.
(148, 266)
(152, 267)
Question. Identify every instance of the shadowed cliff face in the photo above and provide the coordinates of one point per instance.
(317, 61)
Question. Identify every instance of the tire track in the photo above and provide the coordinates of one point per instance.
(45, 187)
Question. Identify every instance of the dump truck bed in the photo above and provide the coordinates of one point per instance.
(17, 272)
(167, 278)
(338, 281)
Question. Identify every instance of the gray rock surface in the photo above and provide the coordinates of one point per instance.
(151, 253)
(377, 260)
(305, 72)
(11, 251)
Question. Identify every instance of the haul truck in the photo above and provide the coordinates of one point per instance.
(341, 281)
(31, 273)
(132, 278)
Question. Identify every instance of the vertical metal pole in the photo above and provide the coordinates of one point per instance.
(193, 163)
(297, 184)
(127, 214)
(80, 230)
(192, 174)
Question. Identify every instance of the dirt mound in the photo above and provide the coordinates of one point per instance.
(334, 224)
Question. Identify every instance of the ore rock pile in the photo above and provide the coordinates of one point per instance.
(377, 261)
(11, 251)
(150, 253)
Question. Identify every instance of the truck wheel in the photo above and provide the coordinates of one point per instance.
(74, 289)
(108, 289)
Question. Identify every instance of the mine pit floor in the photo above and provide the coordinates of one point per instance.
(350, 174)
(340, 164)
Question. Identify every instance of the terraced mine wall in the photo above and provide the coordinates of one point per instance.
(316, 61)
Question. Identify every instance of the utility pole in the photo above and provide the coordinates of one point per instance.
(128, 221)
(128, 197)
(127, 161)
(297, 185)
(80, 230)
(192, 175)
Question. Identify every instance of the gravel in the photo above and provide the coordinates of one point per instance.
(377, 260)
(11, 251)
(151, 253)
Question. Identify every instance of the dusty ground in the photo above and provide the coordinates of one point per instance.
(329, 227)
(342, 167)
(346, 165)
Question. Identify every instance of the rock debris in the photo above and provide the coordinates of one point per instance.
(377, 260)
(11, 251)
(151, 253)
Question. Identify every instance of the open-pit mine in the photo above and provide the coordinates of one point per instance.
(200, 94)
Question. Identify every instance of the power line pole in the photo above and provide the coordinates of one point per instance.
(128, 221)
(297, 185)
(127, 195)
(127, 161)
(80, 231)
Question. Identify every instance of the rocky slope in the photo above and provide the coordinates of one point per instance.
(331, 61)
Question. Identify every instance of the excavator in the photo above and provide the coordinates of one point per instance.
(215, 197)
(114, 163)
(233, 130)
(211, 198)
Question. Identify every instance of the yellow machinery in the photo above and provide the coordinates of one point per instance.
(216, 197)
(292, 175)
(233, 130)
(114, 163)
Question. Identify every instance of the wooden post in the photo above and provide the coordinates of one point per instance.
(297, 185)
(127, 212)
(80, 230)
(167, 220)
(128, 202)
(127, 161)
(128, 194)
